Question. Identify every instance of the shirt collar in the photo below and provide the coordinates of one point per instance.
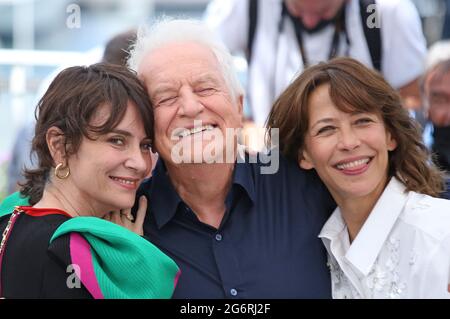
(333, 226)
(243, 175)
(164, 200)
(368, 243)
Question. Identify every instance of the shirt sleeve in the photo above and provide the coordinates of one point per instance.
(229, 20)
(404, 45)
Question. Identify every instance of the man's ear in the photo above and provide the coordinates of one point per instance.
(241, 103)
(56, 144)
(240, 106)
(304, 161)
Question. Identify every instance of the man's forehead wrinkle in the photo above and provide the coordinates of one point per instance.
(192, 79)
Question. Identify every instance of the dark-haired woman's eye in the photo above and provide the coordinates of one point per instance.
(118, 141)
(146, 147)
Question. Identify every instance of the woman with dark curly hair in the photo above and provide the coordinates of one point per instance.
(389, 237)
(92, 140)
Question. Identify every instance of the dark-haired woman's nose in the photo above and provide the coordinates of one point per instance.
(138, 160)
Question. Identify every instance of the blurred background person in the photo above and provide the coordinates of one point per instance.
(117, 48)
(437, 90)
(446, 27)
(435, 87)
(21, 157)
(281, 38)
(436, 101)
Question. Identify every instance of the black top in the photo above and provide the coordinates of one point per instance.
(32, 268)
(266, 245)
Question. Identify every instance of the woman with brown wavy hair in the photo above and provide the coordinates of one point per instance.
(389, 237)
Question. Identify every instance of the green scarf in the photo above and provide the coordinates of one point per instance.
(10, 202)
(124, 264)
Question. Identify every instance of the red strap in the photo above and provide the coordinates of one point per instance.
(39, 212)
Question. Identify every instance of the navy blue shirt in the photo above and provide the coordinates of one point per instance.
(266, 245)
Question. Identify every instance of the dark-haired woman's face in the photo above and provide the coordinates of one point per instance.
(348, 150)
(108, 170)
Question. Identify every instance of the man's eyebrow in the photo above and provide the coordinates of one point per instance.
(162, 88)
(170, 87)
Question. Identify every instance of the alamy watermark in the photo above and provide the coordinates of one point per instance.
(73, 280)
(73, 20)
(373, 20)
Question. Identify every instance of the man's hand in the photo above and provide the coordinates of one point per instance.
(125, 219)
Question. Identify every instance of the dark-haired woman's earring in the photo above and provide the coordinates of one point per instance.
(59, 171)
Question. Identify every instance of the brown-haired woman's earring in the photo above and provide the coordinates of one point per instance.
(60, 168)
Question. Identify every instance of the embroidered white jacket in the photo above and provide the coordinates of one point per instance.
(402, 250)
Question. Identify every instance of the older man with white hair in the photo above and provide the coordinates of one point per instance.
(436, 99)
(238, 226)
(435, 87)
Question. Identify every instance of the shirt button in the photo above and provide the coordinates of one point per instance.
(218, 237)
(233, 292)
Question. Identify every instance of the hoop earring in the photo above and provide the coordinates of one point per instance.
(58, 173)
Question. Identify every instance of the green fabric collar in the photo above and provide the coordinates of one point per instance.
(10, 202)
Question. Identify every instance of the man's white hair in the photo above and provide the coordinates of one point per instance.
(170, 30)
(438, 55)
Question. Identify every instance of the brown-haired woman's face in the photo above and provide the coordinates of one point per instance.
(348, 150)
(108, 170)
